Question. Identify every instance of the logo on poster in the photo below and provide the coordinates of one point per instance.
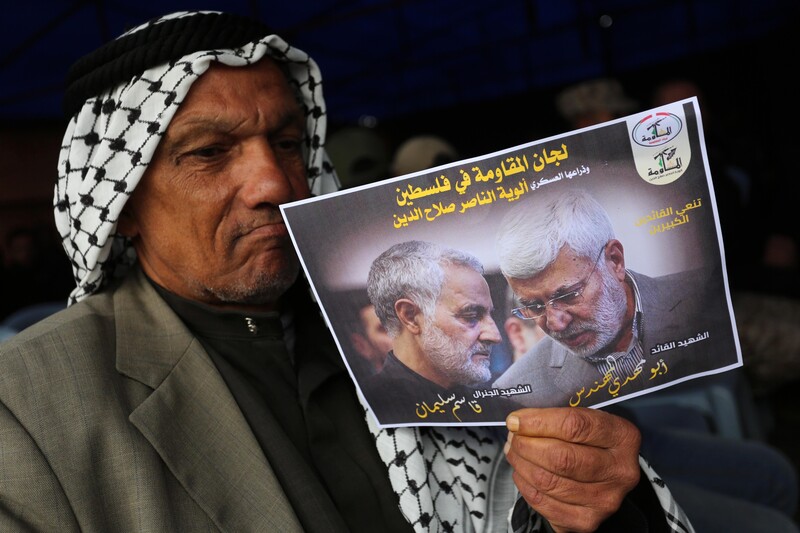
(656, 129)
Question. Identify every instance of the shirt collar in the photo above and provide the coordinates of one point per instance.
(213, 322)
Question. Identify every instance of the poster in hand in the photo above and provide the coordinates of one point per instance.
(577, 270)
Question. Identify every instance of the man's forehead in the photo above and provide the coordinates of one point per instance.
(217, 89)
(463, 284)
(266, 72)
(557, 277)
(265, 63)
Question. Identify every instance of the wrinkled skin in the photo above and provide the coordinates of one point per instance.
(204, 219)
(573, 465)
(452, 346)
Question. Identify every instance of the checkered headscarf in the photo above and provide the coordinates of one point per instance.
(121, 99)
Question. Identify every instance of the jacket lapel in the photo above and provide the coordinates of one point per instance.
(575, 374)
(192, 420)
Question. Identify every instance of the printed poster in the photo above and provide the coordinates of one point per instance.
(648, 172)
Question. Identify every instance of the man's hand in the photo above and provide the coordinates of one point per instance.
(573, 465)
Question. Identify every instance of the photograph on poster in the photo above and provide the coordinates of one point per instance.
(577, 270)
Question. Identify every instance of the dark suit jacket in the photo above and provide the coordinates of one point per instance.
(674, 308)
(113, 418)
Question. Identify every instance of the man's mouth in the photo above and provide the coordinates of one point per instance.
(482, 352)
(275, 230)
(572, 340)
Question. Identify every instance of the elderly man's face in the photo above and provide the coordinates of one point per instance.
(205, 218)
(595, 323)
(458, 338)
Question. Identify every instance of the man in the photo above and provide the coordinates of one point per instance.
(593, 101)
(522, 334)
(723, 484)
(610, 331)
(436, 306)
(192, 384)
(421, 152)
(369, 340)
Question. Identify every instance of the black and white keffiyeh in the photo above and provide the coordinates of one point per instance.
(121, 100)
(448, 478)
(457, 479)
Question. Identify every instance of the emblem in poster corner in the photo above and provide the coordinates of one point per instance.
(660, 145)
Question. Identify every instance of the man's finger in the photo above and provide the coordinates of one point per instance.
(579, 462)
(573, 424)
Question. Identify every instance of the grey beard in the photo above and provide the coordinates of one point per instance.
(453, 357)
(607, 321)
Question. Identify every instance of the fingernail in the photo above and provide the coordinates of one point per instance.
(506, 448)
(512, 423)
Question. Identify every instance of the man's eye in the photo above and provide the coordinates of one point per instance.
(471, 318)
(207, 152)
(570, 297)
(289, 145)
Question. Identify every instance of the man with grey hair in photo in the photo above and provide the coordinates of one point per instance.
(604, 322)
(436, 305)
(562, 259)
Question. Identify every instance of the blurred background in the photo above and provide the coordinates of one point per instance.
(482, 75)
(414, 84)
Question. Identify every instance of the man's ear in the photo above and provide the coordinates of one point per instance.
(615, 255)
(409, 314)
(126, 223)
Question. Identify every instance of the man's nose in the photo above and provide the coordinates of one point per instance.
(555, 319)
(490, 331)
(268, 179)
